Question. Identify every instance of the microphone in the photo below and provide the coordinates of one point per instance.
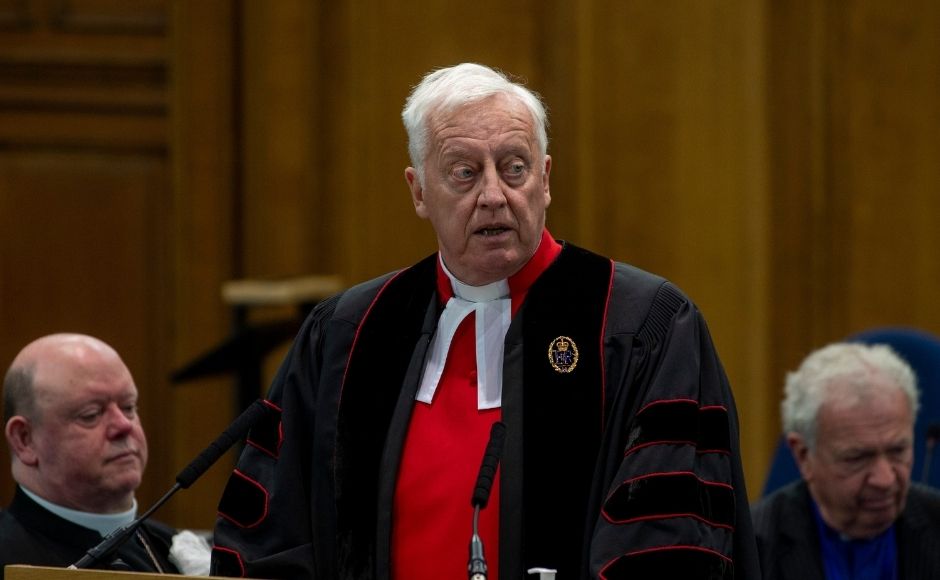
(234, 432)
(476, 567)
(933, 434)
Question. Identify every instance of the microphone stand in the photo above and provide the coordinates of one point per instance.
(116, 539)
(476, 568)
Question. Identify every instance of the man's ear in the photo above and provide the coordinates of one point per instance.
(801, 454)
(19, 433)
(545, 188)
(417, 192)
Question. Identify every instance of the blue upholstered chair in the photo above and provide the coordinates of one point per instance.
(922, 351)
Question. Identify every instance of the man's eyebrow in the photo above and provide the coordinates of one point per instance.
(456, 149)
(858, 451)
(517, 150)
(517, 144)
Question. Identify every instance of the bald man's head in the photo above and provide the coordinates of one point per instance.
(72, 424)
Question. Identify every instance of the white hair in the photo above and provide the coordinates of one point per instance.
(852, 365)
(445, 89)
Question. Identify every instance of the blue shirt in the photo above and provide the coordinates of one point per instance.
(847, 559)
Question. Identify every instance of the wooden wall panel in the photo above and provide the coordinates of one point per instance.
(203, 240)
(84, 181)
(797, 84)
(80, 251)
(660, 160)
(283, 210)
(853, 93)
(885, 155)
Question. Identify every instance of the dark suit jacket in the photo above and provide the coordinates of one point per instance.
(788, 542)
(29, 534)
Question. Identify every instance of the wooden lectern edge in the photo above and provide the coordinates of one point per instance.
(24, 572)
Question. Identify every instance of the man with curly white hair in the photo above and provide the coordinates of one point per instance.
(848, 414)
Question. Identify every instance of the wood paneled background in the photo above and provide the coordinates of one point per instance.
(780, 161)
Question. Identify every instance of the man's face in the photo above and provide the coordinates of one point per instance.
(485, 188)
(88, 443)
(860, 471)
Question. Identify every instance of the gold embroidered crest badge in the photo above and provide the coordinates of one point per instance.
(563, 354)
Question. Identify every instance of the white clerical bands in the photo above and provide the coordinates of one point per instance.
(493, 309)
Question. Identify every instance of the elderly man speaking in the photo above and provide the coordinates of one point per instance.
(621, 435)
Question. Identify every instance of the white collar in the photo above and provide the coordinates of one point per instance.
(104, 524)
(492, 291)
(493, 309)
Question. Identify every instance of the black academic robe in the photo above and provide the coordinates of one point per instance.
(621, 456)
(30, 534)
(788, 539)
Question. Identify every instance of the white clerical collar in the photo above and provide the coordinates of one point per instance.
(485, 293)
(493, 309)
(104, 524)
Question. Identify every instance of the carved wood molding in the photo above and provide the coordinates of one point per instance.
(84, 73)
